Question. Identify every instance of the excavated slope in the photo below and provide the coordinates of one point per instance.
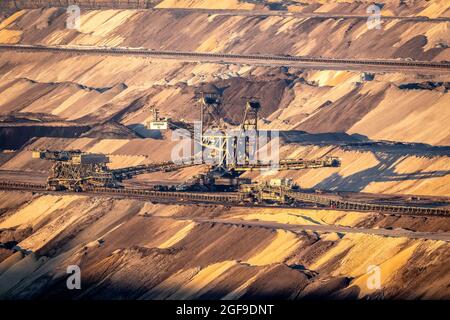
(91, 89)
(128, 249)
(208, 32)
(134, 250)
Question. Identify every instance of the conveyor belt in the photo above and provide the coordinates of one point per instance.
(400, 64)
(236, 197)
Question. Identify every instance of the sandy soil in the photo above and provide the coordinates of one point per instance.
(206, 32)
(392, 107)
(130, 249)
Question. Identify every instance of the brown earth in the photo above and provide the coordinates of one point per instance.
(165, 30)
(96, 89)
(168, 258)
(131, 249)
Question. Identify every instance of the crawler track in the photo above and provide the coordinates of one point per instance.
(239, 198)
(317, 62)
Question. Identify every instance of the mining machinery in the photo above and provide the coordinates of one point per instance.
(75, 170)
(234, 149)
(163, 123)
(252, 108)
(157, 123)
(79, 171)
(248, 134)
(223, 143)
(212, 137)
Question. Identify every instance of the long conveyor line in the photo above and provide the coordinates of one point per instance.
(263, 58)
(237, 197)
(362, 206)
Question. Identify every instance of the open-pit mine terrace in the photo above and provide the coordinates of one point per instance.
(386, 205)
(263, 60)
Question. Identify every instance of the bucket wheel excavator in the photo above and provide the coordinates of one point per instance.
(234, 148)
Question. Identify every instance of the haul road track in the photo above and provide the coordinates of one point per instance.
(248, 59)
(298, 228)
